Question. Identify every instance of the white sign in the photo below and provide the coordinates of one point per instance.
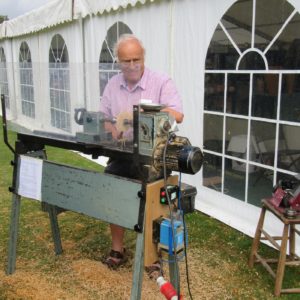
(30, 177)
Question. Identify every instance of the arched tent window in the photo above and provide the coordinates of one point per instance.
(59, 74)
(107, 61)
(26, 81)
(3, 78)
(252, 99)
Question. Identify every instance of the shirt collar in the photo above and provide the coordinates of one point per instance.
(141, 84)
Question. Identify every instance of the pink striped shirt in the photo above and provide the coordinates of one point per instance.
(153, 86)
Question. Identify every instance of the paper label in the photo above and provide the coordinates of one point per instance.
(30, 177)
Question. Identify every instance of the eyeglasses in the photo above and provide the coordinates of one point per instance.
(127, 63)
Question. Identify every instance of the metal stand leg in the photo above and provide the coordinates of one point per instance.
(52, 211)
(173, 271)
(13, 234)
(55, 229)
(138, 271)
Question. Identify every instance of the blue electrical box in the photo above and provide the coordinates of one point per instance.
(166, 235)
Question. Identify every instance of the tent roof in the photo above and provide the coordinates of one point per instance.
(88, 7)
(57, 12)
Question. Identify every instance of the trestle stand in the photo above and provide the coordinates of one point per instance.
(288, 235)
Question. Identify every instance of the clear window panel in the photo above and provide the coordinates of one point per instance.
(238, 22)
(238, 94)
(106, 54)
(234, 179)
(104, 77)
(263, 139)
(22, 75)
(290, 97)
(212, 171)
(252, 61)
(63, 118)
(4, 91)
(284, 176)
(23, 107)
(24, 53)
(26, 81)
(3, 78)
(268, 24)
(66, 78)
(53, 117)
(32, 109)
(123, 29)
(58, 51)
(59, 83)
(264, 95)
(221, 53)
(213, 130)
(52, 98)
(260, 184)
(214, 92)
(289, 155)
(57, 119)
(62, 101)
(112, 37)
(236, 137)
(284, 53)
(272, 141)
(67, 102)
(28, 107)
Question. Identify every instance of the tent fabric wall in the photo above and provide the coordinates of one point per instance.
(176, 35)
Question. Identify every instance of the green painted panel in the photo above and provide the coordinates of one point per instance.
(103, 196)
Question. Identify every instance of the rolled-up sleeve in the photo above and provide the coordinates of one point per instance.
(169, 95)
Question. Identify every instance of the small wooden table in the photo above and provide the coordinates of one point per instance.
(288, 234)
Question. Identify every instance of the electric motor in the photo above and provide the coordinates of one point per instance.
(178, 155)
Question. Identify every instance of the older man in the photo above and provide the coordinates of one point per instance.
(134, 83)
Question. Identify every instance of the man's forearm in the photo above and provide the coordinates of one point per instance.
(178, 116)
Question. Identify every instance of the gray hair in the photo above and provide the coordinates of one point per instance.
(126, 38)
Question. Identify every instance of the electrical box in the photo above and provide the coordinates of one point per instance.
(187, 198)
(172, 191)
(163, 234)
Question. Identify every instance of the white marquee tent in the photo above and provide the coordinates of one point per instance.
(177, 35)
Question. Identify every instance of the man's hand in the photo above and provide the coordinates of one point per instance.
(178, 116)
(111, 128)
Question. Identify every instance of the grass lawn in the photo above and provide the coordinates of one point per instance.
(217, 254)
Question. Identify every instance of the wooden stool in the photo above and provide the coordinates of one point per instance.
(288, 233)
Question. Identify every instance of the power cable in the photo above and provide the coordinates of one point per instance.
(184, 239)
(171, 215)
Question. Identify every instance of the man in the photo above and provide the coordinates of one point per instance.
(134, 84)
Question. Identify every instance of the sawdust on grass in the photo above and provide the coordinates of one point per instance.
(82, 278)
